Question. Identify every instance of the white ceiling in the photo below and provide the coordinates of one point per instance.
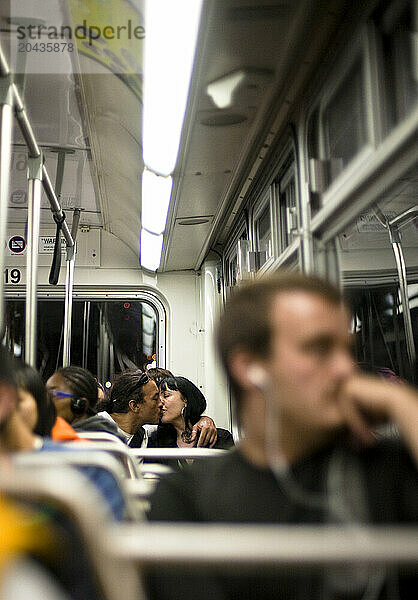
(219, 147)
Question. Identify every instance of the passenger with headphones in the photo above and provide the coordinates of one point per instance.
(308, 453)
(75, 394)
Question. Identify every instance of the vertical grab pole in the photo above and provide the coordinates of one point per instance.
(6, 104)
(403, 288)
(69, 284)
(34, 214)
(86, 330)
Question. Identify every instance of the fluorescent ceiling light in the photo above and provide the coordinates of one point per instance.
(156, 192)
(151, 248)
(222, 90)
(170, 42)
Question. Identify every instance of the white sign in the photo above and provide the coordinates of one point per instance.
(47, 243)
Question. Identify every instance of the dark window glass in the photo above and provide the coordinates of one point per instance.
(263, 235)
(344, 121)
(126, 329)
(401, 86)
(379, 327)
(288, 209)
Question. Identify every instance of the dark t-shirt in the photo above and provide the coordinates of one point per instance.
(229, 489)
(166, 437)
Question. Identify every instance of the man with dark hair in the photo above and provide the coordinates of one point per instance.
(134, 401)
(308, 453)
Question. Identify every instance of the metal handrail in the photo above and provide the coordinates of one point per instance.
(37, 177)
(33, 148)
(263, 546)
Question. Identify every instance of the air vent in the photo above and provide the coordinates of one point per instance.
(222, 119)
(194, 221)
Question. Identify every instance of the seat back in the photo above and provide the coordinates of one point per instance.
(121, 453)
(82, 459)
(101, 436)
(65, 494)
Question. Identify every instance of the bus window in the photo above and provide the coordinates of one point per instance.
(107, 336)
(263, 235)
(400, 81)
(344, 121)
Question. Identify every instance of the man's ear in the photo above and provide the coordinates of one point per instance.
(134, 406)
(246, 370)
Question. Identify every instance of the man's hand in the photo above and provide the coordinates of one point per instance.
(208, 434)
(368, 401)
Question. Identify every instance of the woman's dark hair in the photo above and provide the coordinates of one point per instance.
(195, 400)
(157, 374)
(29, 379)
(126, 387)
(82, 384)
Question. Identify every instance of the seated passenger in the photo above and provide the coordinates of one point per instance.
(75, 394)
(41, 551)
(34, 405)
(28, 427)
(37, 408)
(183, 405)
(133, 402)
(308, 453)
(204, 431)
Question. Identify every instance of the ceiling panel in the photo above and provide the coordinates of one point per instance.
(186, 242)
(261, 39)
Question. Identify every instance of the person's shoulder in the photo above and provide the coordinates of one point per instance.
(98, 423)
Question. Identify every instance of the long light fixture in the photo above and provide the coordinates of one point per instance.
(156, 192)
(151, 247)
(170, 42)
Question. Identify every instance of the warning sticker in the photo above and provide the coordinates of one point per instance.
(47, 242)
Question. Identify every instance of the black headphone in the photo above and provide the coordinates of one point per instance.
(78, 405)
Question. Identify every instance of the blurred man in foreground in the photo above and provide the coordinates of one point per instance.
(308, 453)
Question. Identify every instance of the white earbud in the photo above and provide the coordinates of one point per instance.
(258, 376)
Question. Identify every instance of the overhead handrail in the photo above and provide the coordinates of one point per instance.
(37, 176)
(33, 148)
(262, 546)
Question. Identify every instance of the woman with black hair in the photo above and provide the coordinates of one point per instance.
(75, 395)
(183, 405)
(34, 404)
